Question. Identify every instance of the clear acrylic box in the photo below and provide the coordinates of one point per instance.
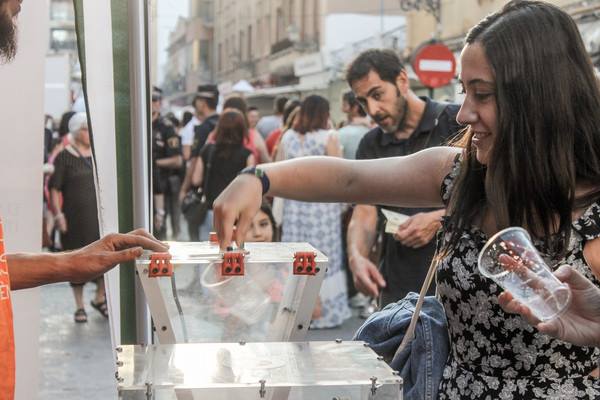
(275, 371)
(266, 293)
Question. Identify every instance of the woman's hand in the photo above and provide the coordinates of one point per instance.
(236, 206)
(579, 324)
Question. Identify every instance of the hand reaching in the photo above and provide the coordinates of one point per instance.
(99, 257)
(579, 324)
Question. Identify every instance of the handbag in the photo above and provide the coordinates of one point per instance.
(194, 205)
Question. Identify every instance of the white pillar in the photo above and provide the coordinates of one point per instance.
(21, 159)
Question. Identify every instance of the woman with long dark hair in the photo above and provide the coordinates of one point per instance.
(317, 223)
(530, 157)
(227, 156)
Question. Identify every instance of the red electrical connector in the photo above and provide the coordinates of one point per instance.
(304, 263)
(160, 265)
(233, 263)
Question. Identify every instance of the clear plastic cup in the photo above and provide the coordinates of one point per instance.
(511, 260)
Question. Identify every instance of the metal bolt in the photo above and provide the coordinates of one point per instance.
(119, 349)
(366, 345)
(380, 358)
(263, 389)
(242, 342)
(119, 363)
(338, 341)
(146, 270)
(397, 373)
(317, 270)
(373, 385)
(300, 327)
(163, 328)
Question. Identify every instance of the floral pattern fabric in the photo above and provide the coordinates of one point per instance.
(495, 355)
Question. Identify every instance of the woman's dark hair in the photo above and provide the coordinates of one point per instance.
(237, 103)
(350, 98)
(231, 128)
(173, 119)
(187, 117)
(266, 208)
(386, 63)
(290, 106)
(314, 114)
(63, 126)
(548, 119)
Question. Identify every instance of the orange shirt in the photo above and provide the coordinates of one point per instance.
(7, 340)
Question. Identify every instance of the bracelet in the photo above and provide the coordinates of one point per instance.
(261, 175)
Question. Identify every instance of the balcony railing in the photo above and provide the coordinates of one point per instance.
(281, 45)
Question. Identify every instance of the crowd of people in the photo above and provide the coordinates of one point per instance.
(523, 149)
(204, 155)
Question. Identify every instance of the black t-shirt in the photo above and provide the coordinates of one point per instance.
(405, 268)
(201, 133)
(166, 143)
(226, 160)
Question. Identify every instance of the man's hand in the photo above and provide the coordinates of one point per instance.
(579, 323)
(367, 278)
(99, 257)
(419, 229)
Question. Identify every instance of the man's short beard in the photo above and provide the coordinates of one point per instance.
(8, 37)
(402, 109)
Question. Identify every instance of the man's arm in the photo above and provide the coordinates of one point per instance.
(29, 270)
(362, 232)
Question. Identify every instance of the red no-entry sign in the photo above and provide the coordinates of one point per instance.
(435, 65)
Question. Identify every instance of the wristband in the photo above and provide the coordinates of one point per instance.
(261, 175)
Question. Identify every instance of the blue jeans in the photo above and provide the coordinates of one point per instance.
(206, 227)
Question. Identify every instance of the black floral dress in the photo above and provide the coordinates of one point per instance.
(495, 355)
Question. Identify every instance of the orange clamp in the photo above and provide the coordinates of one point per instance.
(213, 239)
(160, 265)
(233, 263)
(304, 263)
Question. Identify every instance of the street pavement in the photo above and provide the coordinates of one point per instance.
(76, 359)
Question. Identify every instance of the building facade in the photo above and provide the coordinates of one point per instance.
(190, 53)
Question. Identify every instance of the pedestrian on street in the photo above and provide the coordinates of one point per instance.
(28, 270)
(406, 124)
(269, 123)
(317, 223)
(167, 162)
(73, 203)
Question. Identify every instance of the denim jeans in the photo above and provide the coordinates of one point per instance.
(206, 227)
(421, 364)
